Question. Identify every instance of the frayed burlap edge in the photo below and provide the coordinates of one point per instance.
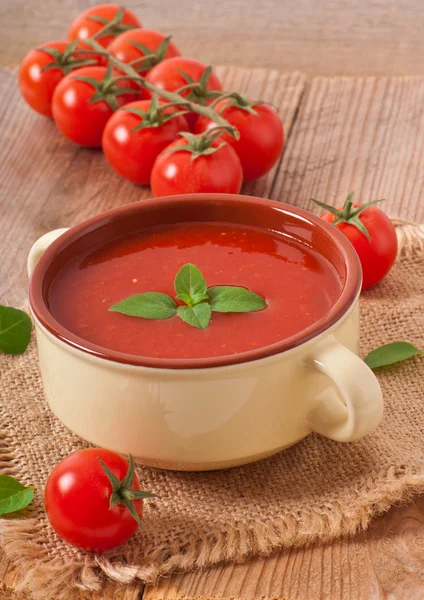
(49, 578)
(52, 579)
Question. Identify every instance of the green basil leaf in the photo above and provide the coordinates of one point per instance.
(184, 298)
(151, 305)
(197, 316)
(198, 298)
(233, 299)
(13, 495)
(390, 354)
(15, 330)
(190, 282)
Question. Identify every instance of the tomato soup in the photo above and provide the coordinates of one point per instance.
(299, 285)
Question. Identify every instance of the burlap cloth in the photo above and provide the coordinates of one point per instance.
(316, 490)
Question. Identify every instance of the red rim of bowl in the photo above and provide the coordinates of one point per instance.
(350, 291)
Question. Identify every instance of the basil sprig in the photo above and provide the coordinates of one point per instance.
(15, 330)
(389, 354)
(199, 300)
(13, 495)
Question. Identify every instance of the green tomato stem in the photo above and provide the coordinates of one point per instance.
(170, 96)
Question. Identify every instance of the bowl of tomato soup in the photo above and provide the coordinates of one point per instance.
(197, 381)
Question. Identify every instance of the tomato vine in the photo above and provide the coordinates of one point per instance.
(173, 97)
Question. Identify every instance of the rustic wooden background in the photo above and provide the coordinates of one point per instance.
(327, 37)
(344, 133)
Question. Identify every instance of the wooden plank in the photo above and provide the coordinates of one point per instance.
(327, 38)
(363, 134)
(385, 562)
(48, 182)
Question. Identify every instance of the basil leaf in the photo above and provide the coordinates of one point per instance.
(13, 495)
(224, 298)
(390, 354)
(151, 305)
(197, 316)
(184, 298)
(198, 298)
(190, 283)
(15, 330)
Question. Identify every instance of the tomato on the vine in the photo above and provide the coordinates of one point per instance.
(197, 164)
(134, 45)
(44, 67)
(88, 23)
(181, 72)
(371, 233)
(261, 133)
(93, 499)
(136, 134)
(84, 101)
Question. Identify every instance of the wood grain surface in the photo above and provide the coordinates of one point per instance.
(327, 37)
(363, 134)
(386, 562)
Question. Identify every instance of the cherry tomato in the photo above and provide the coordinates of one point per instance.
(132, 153)
(77, 499)
(180, 172)
(92, 20)
(261, 135)
(38, 83)
(80, 120)
(124, 50)
(376, 254)
(168, 75)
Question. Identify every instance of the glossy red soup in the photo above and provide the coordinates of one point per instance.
(299, 285)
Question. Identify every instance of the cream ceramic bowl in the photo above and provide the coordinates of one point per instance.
(218, 412)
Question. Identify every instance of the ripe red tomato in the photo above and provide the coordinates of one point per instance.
(92, 20)
(80, 120)
(376, 254)
(124, 50)
(167, 75)
(261, 136)
(180, 172)
(77, 499)
(37, 83)
(132, 152)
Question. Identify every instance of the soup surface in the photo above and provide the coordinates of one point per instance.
(299, 285)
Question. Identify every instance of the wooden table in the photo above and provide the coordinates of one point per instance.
(362, 134)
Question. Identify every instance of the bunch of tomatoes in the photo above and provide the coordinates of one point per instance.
(161, 118)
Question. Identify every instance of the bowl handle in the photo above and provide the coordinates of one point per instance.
(358, 388)
(41, 245)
